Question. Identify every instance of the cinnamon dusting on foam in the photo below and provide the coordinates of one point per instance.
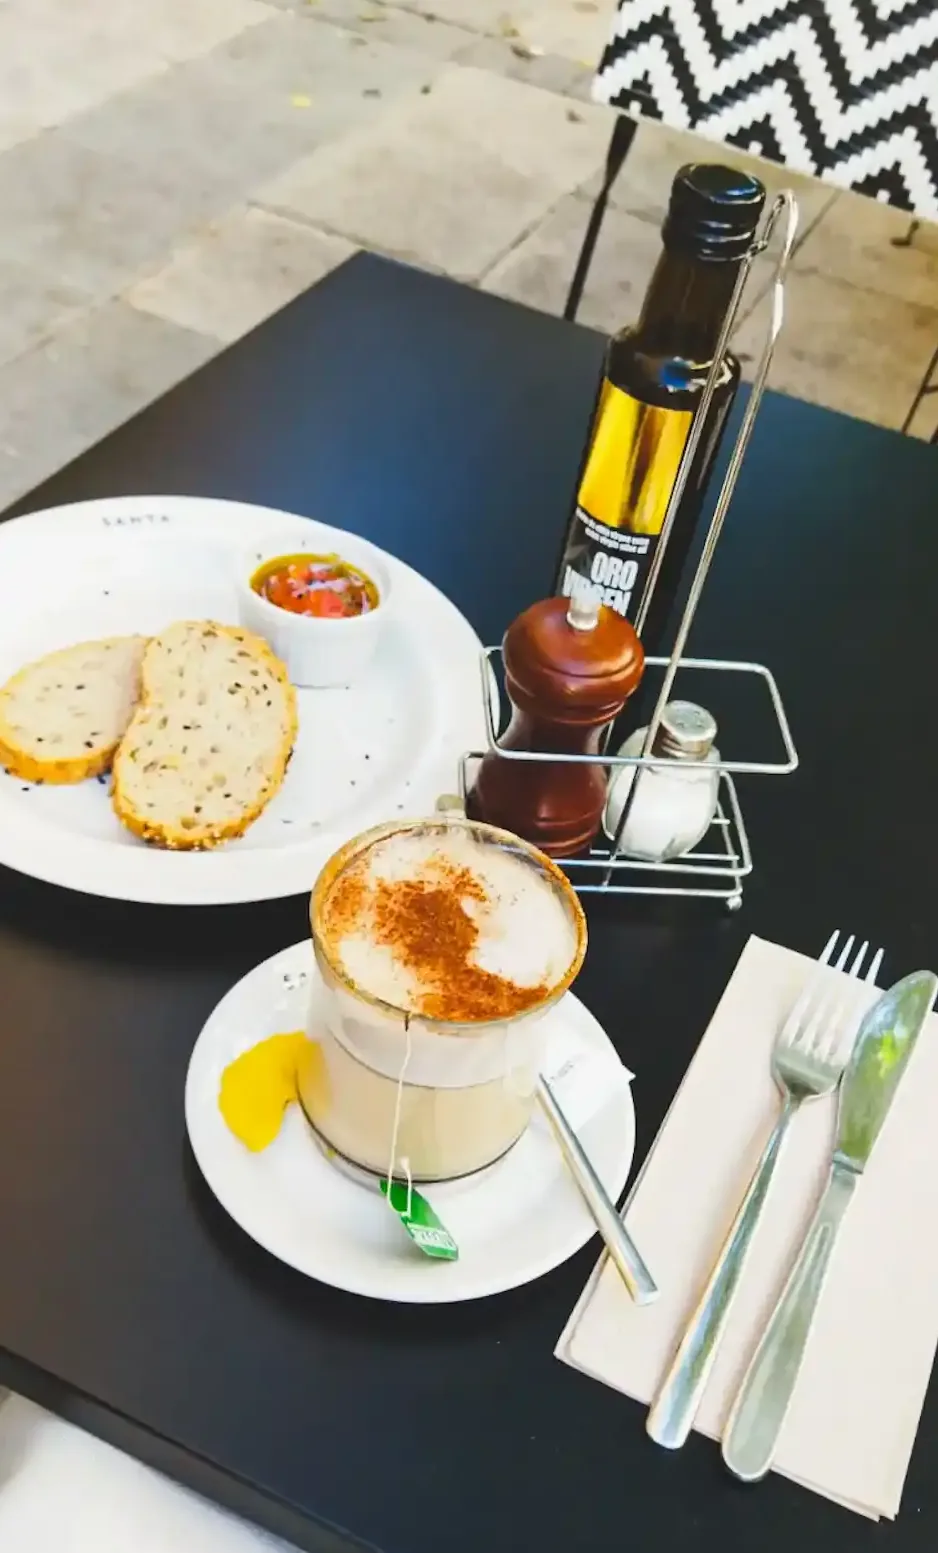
(440, 930)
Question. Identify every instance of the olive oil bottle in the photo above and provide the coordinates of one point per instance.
(654, 380)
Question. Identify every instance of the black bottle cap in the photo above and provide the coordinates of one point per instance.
(714, 211)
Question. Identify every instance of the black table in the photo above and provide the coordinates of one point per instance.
(447, 425)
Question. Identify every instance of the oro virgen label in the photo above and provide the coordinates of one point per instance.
(631, 467)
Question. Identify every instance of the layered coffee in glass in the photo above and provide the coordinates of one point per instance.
(440, 944)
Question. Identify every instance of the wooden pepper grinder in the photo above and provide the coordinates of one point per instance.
(570, 667)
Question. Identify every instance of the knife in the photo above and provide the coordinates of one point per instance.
(884, 1044)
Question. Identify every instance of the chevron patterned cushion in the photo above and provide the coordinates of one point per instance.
(844, 89)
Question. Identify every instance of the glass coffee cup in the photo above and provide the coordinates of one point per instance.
(440, 943)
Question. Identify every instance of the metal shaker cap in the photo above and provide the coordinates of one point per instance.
(686, 731)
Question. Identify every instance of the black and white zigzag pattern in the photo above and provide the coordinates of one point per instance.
(844, 89)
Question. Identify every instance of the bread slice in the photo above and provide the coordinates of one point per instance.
(209, 744)
(63, 716)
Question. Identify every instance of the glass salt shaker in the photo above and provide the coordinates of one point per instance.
(673, 806)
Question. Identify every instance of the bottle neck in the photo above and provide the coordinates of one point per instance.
(685, 306)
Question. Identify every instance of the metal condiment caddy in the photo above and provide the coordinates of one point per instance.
(717, 866)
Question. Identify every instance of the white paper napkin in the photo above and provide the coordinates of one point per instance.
(853, 1419)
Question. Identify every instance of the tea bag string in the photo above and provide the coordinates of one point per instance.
(396, 1125)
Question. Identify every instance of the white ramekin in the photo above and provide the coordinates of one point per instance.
(317, 651)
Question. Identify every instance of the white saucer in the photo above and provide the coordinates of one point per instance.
(512, 1223)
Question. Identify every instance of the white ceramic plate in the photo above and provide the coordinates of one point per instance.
(512, 1223)
(388, 745)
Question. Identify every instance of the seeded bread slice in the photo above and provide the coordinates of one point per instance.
(62, 716)
(209, 744)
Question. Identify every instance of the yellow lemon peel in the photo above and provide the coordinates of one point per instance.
(258, 1086)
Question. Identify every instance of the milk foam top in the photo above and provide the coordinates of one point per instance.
(441, 921)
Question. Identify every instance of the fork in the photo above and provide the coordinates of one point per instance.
(809, 1058)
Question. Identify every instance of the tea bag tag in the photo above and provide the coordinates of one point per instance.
(428, 1233)
(425, 1228)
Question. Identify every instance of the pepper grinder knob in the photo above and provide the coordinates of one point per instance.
(583, 613)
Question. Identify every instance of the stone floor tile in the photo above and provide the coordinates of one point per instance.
(658, 151)
(237, 272)
(170, 30)
(442, 205)
(856, 240)
(87, 219)
(451, 179)
(51, 70)
(428, 34)
(34, 306)
(16, 124)
(581, 86)
(184, 29)
(68, 393)
(849, 349)
(530, 129)
(576, 29)
(502, 56)
(490, 16)
(539, 270)
(58, 58)
(225, 123)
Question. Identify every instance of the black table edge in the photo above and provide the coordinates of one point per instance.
(189, 1470)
